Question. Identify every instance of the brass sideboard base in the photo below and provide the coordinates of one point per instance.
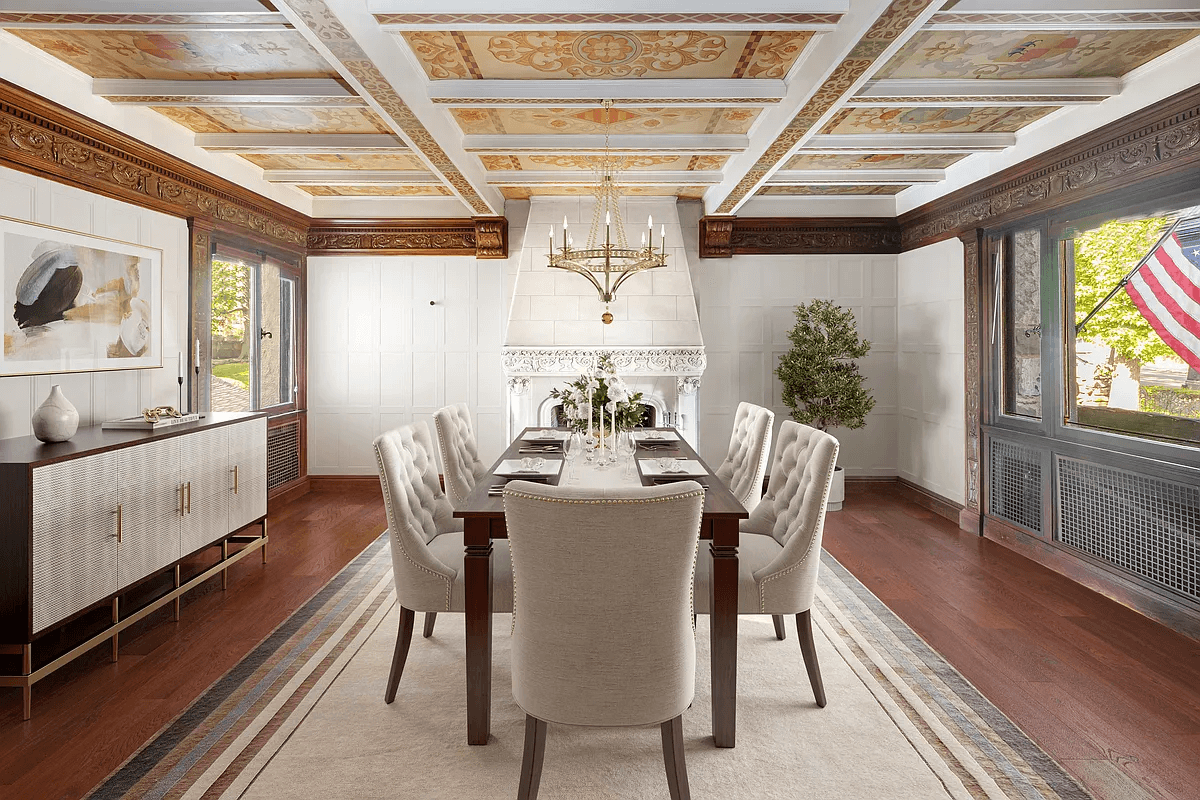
(29, 676)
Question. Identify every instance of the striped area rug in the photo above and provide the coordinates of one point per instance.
(303, 716)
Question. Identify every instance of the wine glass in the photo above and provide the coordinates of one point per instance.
(572, 446)
(626, 448)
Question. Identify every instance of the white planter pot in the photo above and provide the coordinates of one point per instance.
(837, 490)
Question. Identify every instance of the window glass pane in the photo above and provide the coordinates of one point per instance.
(231, 343)
(1127, 376)
(1022, 298)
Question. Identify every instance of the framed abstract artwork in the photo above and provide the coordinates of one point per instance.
(73, 302)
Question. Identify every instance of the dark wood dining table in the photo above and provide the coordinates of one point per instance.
(483, 521)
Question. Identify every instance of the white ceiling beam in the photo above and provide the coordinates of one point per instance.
(351, 177)
(1043, 20)
(320, 92)
(716, 92)
(908, 142)
(301, 143)
(1006, 6)
(694, 144)
(629, 177)
(877, 177)
(955, 92)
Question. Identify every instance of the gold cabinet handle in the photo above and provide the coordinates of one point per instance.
(189, 497)
(235, 479)
(119, 521)
(182, 506)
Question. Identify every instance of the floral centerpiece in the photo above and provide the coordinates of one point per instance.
(606, 391)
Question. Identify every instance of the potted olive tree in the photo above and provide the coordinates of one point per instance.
(821, 382)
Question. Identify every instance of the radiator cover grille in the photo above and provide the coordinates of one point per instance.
(283, 454)
(1141, 524)
(1016, 484)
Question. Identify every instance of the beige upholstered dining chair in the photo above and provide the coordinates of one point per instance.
(745, 464)
(461, 466)
(602, 627)
(779, 549)
(427, 542)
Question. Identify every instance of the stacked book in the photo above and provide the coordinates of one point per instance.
(140, 424)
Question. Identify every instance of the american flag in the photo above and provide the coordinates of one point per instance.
(1166, 290)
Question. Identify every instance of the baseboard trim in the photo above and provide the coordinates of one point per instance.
(325, 483)
(931, 501)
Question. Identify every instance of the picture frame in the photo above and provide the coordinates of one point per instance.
(75, 302)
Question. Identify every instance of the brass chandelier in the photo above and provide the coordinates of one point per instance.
(605, 262)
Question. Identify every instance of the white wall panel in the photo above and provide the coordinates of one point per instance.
(100, 395)
(400, 358)
(931, 365)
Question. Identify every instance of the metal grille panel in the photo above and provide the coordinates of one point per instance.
(1016, 484)
(1145, 525)
(283, 454)
(74, 536)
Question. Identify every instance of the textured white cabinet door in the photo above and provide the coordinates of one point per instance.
(74, 536)
(248, 453)
(205, 459)
(148, 481)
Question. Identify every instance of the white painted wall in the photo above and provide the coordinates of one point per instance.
(119, 393)
(380, 356)
(746, 311)
(931, 367)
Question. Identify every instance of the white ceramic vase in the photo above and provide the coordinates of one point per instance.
(55, 420)
(837, 490)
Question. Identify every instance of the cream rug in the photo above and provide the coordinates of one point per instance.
(303, 716)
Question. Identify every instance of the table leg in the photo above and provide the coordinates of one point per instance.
(477, 580)
(724, 605)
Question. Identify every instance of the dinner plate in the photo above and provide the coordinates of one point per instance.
(651, 437)
(548, 436)
(687, 468)
(512, 468)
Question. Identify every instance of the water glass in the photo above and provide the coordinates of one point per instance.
(572, 447)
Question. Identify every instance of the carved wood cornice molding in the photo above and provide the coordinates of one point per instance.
(723, 237)
(482, 237)
(46, 139)
(1151, 143)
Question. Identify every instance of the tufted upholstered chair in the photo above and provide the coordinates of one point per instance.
(779, 549)
(461, 466)
(745, 464)
(602, 627)
(427, 542)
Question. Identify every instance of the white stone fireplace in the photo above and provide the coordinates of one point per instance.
(555, 333)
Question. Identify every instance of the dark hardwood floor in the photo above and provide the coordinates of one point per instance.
(1105, 691)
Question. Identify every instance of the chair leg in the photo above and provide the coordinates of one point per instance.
(780, 632)
(672, 741)
(430, 618)
(403, 640)
(809, 650)
(531, 763)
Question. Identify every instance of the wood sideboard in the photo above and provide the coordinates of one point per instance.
(82, 522)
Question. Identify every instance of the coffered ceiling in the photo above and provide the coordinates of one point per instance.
(469, 99)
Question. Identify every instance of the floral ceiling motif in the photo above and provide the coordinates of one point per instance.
(1038, 54)
(674, 119)
(605, 54)
(997, 119)
(879, 161)
(276, 119)
(194, 55)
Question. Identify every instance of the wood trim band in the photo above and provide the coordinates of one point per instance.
(724, 237)
(43, 138)
(1150, 143)
(482, 237)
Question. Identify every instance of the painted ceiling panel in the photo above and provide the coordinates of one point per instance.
(194, 55)
(362, 161)
(990, 119)
(591, 163)
(804, 160)
(552, 55)
(1040, 54)
(424, 190)
(675, 119)
(830, 190)
(525, 192)
(274, 119)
